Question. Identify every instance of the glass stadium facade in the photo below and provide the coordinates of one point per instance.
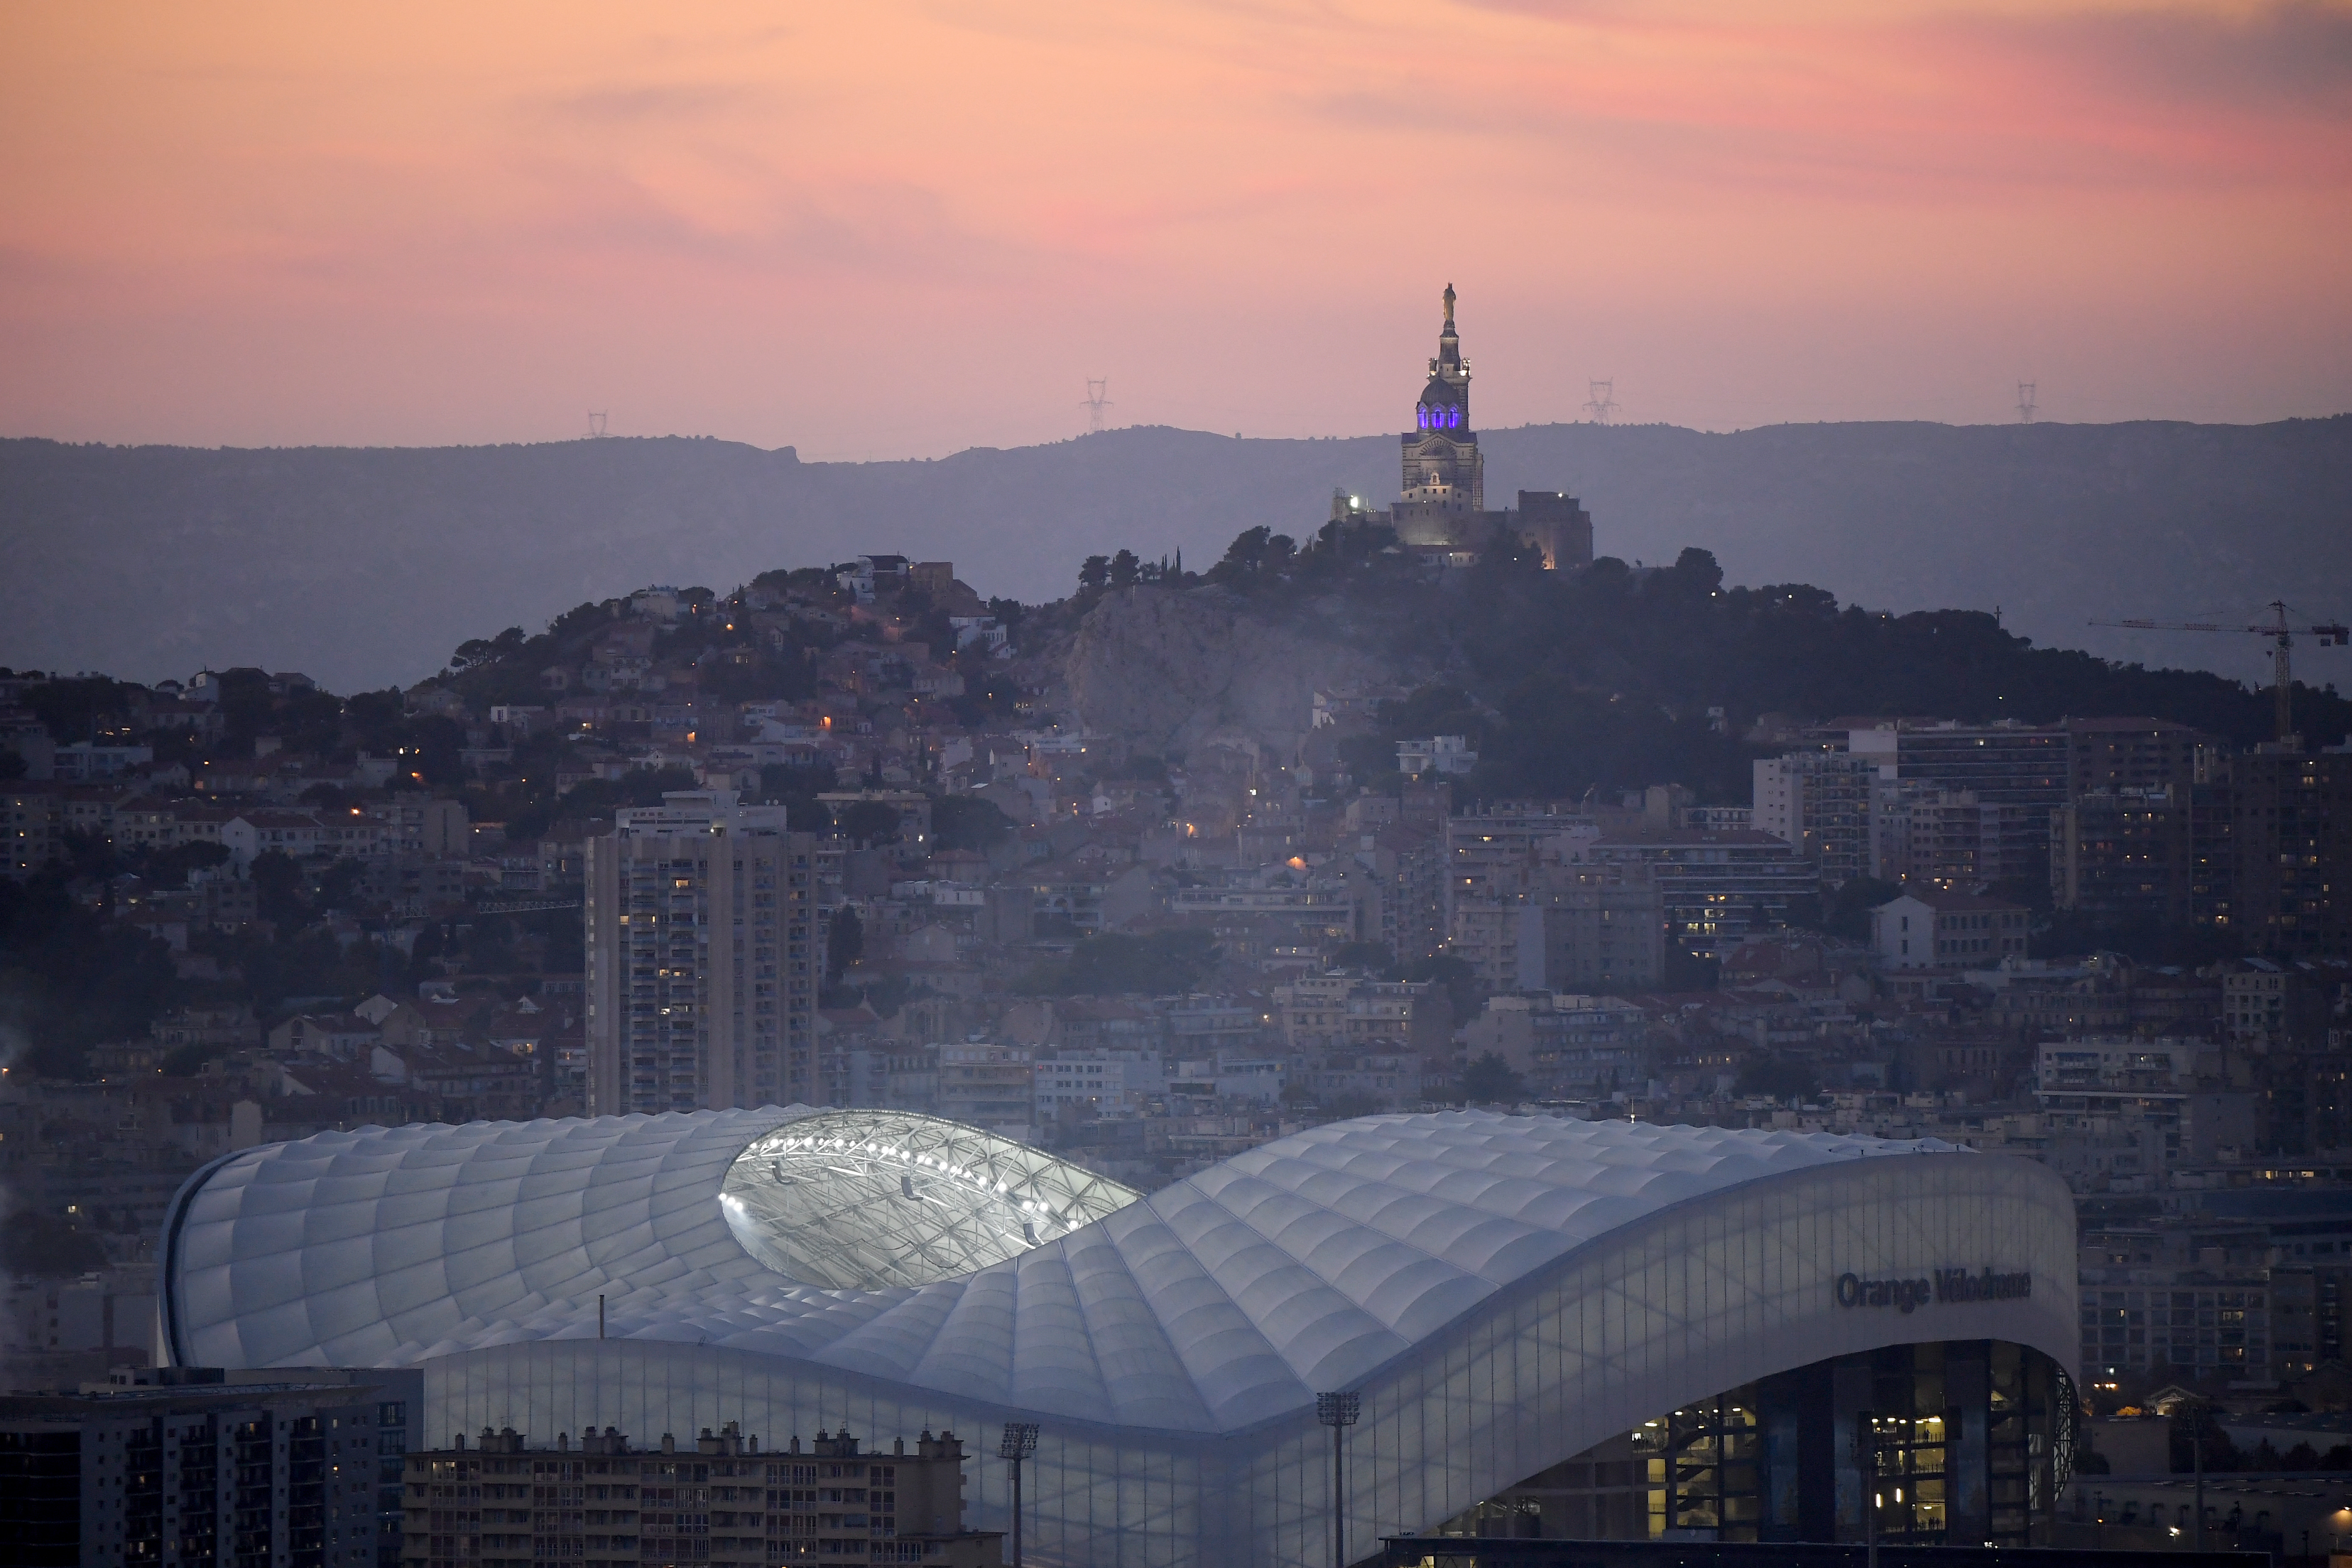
(1554, 1327)
(1968, 1441)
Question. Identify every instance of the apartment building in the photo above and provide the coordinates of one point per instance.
(182, 1466)
(1716, 888)
(2291, 833)
(721, 1500)
(2123, 854)
(1827, 804)
(1351, 1012)
(989, 1086)
(1596, 927)
(1095, 1080)
(701, 967)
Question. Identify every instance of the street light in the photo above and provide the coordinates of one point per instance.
(2197, 1455)
(1339, 1412)
(1019, 1441)
(1865, 1459)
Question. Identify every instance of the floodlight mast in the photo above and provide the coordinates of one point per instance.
(1339, 1411)
(1017, 1442)
(1867, 1459)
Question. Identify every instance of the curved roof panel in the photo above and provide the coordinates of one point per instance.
(947, 1261)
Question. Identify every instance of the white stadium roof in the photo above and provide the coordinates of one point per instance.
(1222, 1300)
(1341, 1257)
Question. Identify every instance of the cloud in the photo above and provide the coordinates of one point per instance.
(871, 229)
(2291, 57)
(669, 103)
(1904, 110)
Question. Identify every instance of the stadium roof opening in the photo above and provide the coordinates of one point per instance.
(864, 1200)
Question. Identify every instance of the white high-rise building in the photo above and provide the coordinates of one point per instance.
(701, 959)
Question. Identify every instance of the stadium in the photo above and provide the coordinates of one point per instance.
(1554, 1327)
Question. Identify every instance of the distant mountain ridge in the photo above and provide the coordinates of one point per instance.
(365, 566)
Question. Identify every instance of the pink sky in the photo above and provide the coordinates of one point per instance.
(898, 229)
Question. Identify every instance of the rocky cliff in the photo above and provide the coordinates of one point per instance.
(1167, 669)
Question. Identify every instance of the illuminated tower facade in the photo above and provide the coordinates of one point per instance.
(1445, 480)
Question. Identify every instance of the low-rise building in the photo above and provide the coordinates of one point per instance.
(1336, 1010)
(721, 1500)
(1572, 1046)
(1436, 754)
(988, 1085)
(1095, 1081)
(1927, 930)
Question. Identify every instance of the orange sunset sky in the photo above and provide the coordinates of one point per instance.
(886, 229)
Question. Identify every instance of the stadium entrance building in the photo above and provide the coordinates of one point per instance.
(1553, 1329)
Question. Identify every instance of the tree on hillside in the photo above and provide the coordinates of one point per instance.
(1255, 553)
(1163, 963)
(844, 941)
(1775, 1079)
(1463, 991)
(1846, 913)
(968, 822)
(1489, 1081)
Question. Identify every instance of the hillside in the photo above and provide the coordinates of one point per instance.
(1607, 680)
(366, 566)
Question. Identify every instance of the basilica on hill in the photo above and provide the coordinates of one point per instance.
(1442, 499)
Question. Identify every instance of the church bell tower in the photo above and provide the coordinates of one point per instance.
(1444, 473)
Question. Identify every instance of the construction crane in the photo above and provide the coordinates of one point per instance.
(2282, 635)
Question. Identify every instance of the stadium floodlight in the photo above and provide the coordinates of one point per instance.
(1018, 1442)
(1339, 1411)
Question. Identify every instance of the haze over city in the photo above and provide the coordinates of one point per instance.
(901, 229)
(1513, 783)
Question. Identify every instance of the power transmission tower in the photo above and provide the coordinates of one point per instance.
(595, 423)
(1603, 406)
(1096, 399)
(2026, 412)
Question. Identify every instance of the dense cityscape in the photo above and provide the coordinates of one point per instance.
(663, 907)
(242, 910)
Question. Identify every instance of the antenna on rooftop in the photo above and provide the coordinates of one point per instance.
(2026, 411)
(1098, 398)
(1602, 405)
(595, 423)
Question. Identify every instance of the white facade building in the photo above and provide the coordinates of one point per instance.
(1930, 930)
(1436, 754)
(1104, 1081)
